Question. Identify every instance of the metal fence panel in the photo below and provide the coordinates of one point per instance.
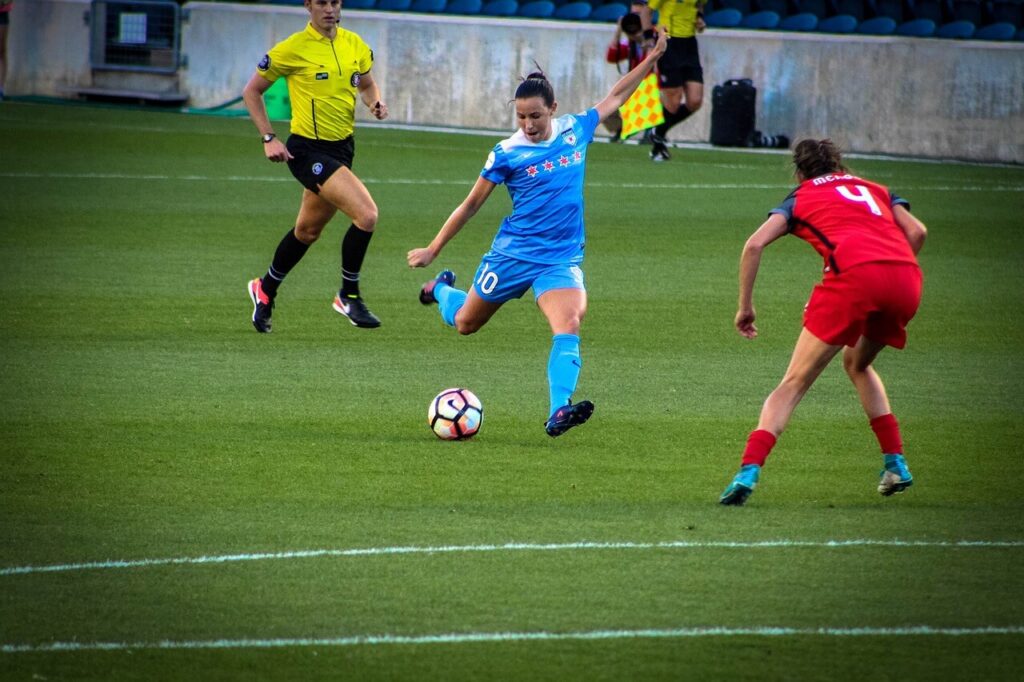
(135, 35)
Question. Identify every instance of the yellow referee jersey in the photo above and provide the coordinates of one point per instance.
(679, 17)
(323, 78)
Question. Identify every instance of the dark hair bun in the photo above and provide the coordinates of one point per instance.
(537, 74)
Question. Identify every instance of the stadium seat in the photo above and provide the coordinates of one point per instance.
(764, 19)
(724, 18)
(613, 11)
(463, 7)
(433, 6)
(1002, 30)
(804, 21)
(537, 9)
(960, 30)
(888, 8)
(500, 8)
(877, 26)
(574, 10)
(916, 28)
(840, 23)
(855, 8)
(393, 5)
(360, 4)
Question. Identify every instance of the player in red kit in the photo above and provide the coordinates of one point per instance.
(870, 290)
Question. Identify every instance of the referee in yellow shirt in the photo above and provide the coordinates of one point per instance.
(680, 76)
(326, 67)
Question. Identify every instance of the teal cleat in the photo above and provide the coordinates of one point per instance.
(896, 476)
(742, 485)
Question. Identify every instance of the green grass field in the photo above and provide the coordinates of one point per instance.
(142, 420)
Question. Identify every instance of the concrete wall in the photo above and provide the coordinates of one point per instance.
(921, 97)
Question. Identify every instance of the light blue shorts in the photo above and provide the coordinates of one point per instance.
(500, 278)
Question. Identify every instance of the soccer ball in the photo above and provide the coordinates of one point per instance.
(455, 414)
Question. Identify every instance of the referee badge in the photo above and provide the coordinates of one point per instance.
(264, 63)
(318, 168)
(355, 80)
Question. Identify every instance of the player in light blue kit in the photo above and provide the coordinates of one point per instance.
(540, 245)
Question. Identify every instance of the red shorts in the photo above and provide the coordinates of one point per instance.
(875, 300)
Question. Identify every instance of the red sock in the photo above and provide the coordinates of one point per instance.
(887, 430)
(759, 444)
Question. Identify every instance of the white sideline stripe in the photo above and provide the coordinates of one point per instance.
(477, 637)
(507, 547)
(465, 183)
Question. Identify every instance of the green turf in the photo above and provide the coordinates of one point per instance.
(142, 417)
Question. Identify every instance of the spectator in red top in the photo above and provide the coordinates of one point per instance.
(632, 50)
(870, 290)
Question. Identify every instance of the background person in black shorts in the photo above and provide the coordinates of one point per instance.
(326, 68)
(680, 76)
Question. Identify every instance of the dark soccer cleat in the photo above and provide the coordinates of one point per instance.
(356, 311)
(659, 150)
(262, 305)
(742, 486)
(427, 291)
(569, 416)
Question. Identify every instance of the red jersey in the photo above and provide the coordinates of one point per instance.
(848, 221)
(626, 49)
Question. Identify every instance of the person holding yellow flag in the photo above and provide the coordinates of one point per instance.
(632, 50)
(679, 71)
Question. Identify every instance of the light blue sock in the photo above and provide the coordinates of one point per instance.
(564, 366)
(449, 302)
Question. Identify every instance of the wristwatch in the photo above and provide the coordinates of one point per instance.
(268, 137)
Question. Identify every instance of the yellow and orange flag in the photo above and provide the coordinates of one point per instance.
(643, 108)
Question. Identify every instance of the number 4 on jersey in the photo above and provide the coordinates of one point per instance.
(862, 196)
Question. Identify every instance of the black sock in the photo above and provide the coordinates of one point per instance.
(680, 115)
(353, 250)
(289, 252)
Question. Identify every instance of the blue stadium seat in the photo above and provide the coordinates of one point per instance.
(916, 28)
(360, 4)
(613, 11)
(417, 5)
(500, 8)
(999, 31)
(804, 21)
(840, 23)
(464, 7)
(537, 9)
(877, 26)
(574, 10)
(724, 18)
(961, 30)
(764, 19)
(393, 5)
(1011, 11)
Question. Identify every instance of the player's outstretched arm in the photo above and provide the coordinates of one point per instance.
(422, 257)
(625, 86)
(770, 230)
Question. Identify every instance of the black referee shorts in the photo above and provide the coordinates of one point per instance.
(316, 160)
(680, 64)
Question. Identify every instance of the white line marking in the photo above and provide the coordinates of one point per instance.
(466, 183)
(507, 547)
(476, 637)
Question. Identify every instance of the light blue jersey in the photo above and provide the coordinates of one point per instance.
(545, 182)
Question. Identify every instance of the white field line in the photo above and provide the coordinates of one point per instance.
(507, 547)
(468, 183)
(478, 637)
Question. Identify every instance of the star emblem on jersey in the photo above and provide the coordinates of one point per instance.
(531, 171)
(563, 161)
(548, 166)
(577, 155)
